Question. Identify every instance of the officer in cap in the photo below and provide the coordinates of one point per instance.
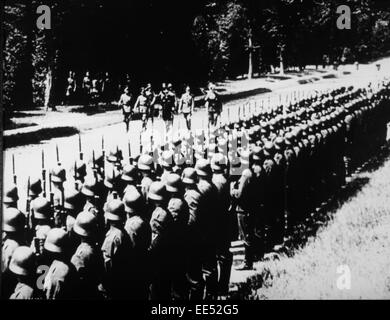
(160, 248)
(87, 258)
(115, 249)
(138, 228)
(23, 266)
(60, 281)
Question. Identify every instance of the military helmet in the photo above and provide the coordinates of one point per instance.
(11, 195)
(167, 159)
(80, 168)
(85, 224)
(173, 183)
(56, 240)
(132, 200)
(218, 162)
(90, 186)
(23, 261)
(157, 191)
(13, 220)
(73, 198)
(41, 208)
(58, 174)
(189, 176)
(145, 162)
(112, 178)
(35, 186)
(113, 154)
(203, 168)
(114, 210)
(129, 173)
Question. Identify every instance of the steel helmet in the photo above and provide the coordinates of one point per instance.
(58, 174)
(115, 210)
(167, 159)
(132, 200)
(13, 220)
(85, 224)
(218, 162)
(112, 178)
(35, 186)
(11, 195)
(23, 261)
(145, 162)
(80, 168)
(56, 240)
(129, 173)
(73, 198)
(173, 183)
(189, 176)
(90, 186)
(157, 191)
(42, 208)
(203, 168)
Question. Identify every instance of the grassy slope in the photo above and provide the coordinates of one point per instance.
(357, 235)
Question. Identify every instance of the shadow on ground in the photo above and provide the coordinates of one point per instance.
(38, 136)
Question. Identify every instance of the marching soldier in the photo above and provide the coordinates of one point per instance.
(138, 228)
(179, 211)
(145, 166)
(60, 281)
(23, 267)
(125, 103)
(224, 256)
(192, 197)
(115, 249)
(213, 104)
(186, 106)
(87, 259)
(10, 198)
(160, 252)
(12, 238)
(208, 225)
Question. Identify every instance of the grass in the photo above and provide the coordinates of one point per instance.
(356, 233)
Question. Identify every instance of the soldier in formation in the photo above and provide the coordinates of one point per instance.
(160, 226)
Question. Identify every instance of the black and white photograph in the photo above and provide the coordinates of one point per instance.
(197, 150)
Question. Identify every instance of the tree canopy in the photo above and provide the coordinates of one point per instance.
(190, 41)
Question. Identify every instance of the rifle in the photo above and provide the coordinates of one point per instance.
(75, 175)
(13, 169)
(140, 143)
(80, 152)
(51, 194)
(57, 154)
(104, 157)
(29, 224)
(129, 147)
(43, 174)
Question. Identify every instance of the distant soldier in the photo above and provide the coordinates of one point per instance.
(95, 92)
(107, 87)
(186, 106)
(141, 106)
(150, 101)
(70, 88)
(167, 101)
(86, 87)
(213, 104)
(125, 103)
